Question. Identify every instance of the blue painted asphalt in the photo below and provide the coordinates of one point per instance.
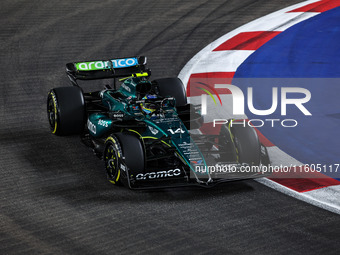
(308, 50)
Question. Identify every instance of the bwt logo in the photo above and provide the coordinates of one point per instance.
(239, 99)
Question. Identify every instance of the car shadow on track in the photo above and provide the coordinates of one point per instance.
(66, 168)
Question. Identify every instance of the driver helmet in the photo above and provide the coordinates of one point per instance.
(147, 107)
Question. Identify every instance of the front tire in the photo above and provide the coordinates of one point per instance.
(226, 146)
(133, 151)
(124, 157)
(247, 144)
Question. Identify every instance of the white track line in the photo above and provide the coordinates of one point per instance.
(187, 69)
(221, 61)
(326, 198)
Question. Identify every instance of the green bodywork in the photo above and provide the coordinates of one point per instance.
(129, 86)
(167, 124)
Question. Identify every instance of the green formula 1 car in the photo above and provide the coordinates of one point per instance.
(146, 132)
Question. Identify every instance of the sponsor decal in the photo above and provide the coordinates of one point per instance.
(176, 131)
(122, 167)
(154, 131)
(118, 115)
(92, 66)
(159, 174)
(91, 127)
(125, 62)
(198, 162)
(102, 65)
(103, 123)
(126, 87)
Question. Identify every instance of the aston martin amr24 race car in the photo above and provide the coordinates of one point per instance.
(145, 131)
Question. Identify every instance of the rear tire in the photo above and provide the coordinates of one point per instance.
(172, 87)
(247, 144)
(66, 110)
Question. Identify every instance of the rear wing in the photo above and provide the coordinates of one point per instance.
(105, 69)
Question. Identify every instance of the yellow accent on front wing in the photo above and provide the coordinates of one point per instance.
(151, 137)
(135, 132)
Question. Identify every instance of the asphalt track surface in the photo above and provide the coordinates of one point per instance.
(54, 196)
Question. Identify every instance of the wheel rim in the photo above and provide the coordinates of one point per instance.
(111, 162)
(52, 114)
